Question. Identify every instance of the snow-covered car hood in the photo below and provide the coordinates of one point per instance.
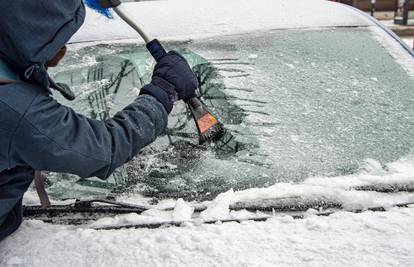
(188, 19)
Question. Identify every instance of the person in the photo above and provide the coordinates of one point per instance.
(38, 133)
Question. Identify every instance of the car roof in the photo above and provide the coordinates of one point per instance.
(192, 19)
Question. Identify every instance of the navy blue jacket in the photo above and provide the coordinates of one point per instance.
(38, 133)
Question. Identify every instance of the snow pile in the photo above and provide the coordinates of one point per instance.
(343, 239)
(220, 207)
(182, 211)
(340, 189)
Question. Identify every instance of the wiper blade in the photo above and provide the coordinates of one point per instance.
(294, 215)
(386, 188)
(84, 212)
(287, 204)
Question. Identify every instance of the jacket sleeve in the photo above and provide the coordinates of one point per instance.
(52, 137)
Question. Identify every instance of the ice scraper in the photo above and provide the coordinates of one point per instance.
(209, 128)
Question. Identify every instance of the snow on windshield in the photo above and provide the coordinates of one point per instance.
(188, 19)
(296, 104)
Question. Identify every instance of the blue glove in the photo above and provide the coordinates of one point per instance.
(172, 80)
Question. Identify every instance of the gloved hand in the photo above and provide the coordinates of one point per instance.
(172, 80)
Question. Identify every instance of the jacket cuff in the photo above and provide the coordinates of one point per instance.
(162, 91)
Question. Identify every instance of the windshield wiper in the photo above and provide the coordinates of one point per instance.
(83, 212)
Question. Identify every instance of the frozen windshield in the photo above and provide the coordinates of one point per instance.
(295, 104)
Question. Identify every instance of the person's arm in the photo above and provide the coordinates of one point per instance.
(52, 137)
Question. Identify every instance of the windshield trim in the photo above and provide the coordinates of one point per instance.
(385, 29)
(183, 39)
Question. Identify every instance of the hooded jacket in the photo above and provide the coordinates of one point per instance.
(38, 133)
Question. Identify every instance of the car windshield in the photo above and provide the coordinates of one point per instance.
(295, 104)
